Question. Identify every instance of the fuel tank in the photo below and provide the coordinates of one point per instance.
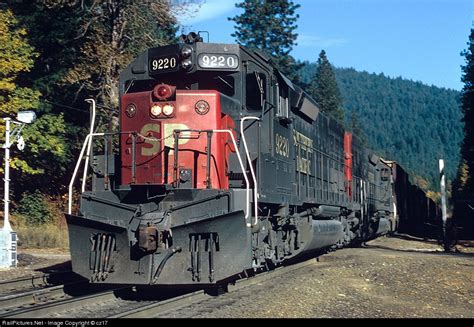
(325, 234)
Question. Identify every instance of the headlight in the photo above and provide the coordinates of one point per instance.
(155, 110)
(168, 110)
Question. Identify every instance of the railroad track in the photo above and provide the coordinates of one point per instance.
(35, 281)
(58, 302)
(162, 307)
(33, 294)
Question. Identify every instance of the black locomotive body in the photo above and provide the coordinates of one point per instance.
(224, 165)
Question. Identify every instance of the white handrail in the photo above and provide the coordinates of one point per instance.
(247, 184)
(255, 187)
(86, 165)
(86, 143)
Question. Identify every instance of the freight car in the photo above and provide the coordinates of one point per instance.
(416, 213)
(223, 166)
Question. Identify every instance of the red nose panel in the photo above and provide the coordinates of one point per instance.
(148, 150)
(156, 159)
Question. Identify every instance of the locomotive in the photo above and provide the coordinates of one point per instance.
(223, 166)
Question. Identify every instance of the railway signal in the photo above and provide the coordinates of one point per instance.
(8, 237)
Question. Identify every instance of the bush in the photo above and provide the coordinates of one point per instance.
(39, 221)
(35, 208)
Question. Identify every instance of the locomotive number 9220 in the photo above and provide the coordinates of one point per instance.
(164, 63)
(218, 61)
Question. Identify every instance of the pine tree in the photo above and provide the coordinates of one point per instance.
(464, 184)
(269, 25)
(325, 90)
(356, 127)
(467, 105)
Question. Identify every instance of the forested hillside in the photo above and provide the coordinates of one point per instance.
(411, 122)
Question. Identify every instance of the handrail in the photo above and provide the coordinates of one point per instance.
(87, 141)
(86, 166)
(255, 187)
(247, 183)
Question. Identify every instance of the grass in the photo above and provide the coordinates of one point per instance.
(53, 234)
(43, 236)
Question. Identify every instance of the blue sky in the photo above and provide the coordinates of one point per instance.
(419, 40)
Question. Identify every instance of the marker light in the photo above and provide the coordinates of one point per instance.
(187, 64)
(155, 110)
(186, 51)
(131, 110)
(163, 91)
(202, 107)
(168, 110)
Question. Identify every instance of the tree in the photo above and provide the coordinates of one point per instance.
(269, 25)
(113, 33)
(80, 54)
(464, 185)
(16, 57)
(356, 127)
(467, 105)
(45, 138)
(325, 89)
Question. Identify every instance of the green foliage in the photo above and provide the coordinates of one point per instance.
(325, 90)
(50, 154)
(466, 180)
(16, 57)
(356, 128)
(406, 121)
(81, 47)
(34, 208)
(269, 25)
(46, 146)
(463, 188)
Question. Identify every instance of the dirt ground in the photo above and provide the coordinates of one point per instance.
(34, 261)
(396, 277)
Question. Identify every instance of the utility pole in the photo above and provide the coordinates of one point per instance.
(446, 231)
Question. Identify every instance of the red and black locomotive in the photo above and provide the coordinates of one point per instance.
(223, 165)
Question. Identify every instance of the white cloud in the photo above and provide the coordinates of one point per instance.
(318, 41)
(208, 10)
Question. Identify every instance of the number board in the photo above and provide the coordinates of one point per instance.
(164, 64)
(218, 61)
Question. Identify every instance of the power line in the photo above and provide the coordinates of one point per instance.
(73, 108)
